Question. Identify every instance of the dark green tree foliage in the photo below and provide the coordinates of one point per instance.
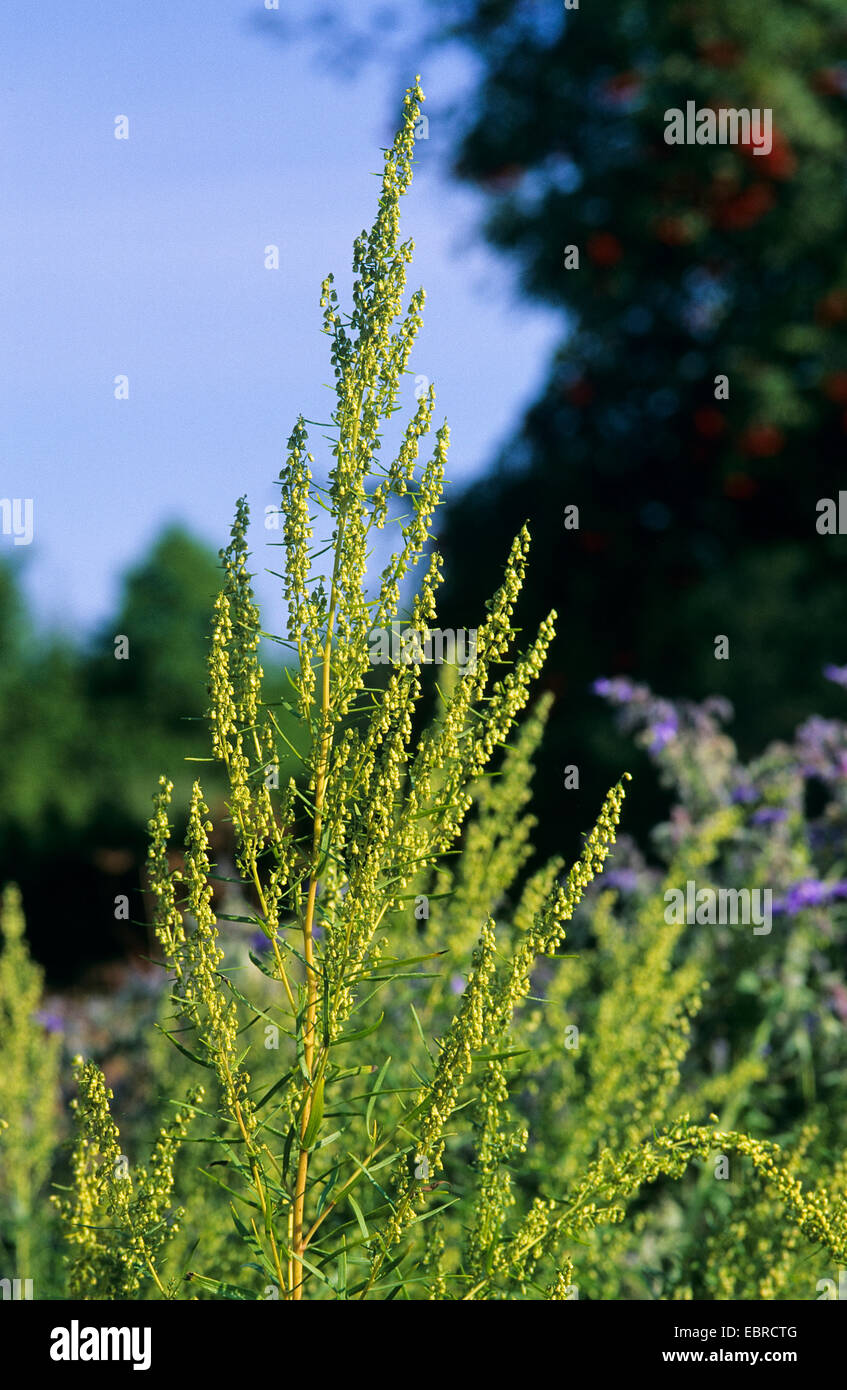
(697, 515)
(76, 770)
(164, 613)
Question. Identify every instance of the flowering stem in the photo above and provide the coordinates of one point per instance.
(321, 778)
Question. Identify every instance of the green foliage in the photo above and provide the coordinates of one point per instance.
(117, 1221)
(76, 775)
(52, 693)
(165, 612)
(28, 1100)
(395, 1107)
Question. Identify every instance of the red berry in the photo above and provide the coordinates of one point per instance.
(746, 209)
(762, 441)
(779, 163)
(673, 231)
(739, 486)
(835, 387)
(604, 249)
(709, 422)
(833, 307)
(720, 53)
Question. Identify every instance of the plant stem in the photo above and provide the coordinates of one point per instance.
(321, 778)
(309, 953)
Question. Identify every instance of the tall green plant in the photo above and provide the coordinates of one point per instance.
(365, 1086)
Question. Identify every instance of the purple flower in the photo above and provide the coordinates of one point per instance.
(769, 815)
(820, 749)
(838, 674)
(745, 794)
(624, 879)
(662, 733)
(259, 943)
(457, 985)
(811, 892)
(53, 1022)
(620, 690)
(662, 725)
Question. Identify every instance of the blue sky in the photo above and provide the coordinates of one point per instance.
(144, 257)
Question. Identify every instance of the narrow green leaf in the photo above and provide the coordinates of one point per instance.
(192, 1056)
(357, 1211)
(315, 1115)
(286, 1155)
(327, 1189)
(387, 963)
(374, 1094)
(421, 1031)
(360, 1033)
(289, 1076)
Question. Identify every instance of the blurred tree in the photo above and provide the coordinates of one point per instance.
(85, 737)
(12, 632)
(153, 654)
(86, 733)
(697, 497)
